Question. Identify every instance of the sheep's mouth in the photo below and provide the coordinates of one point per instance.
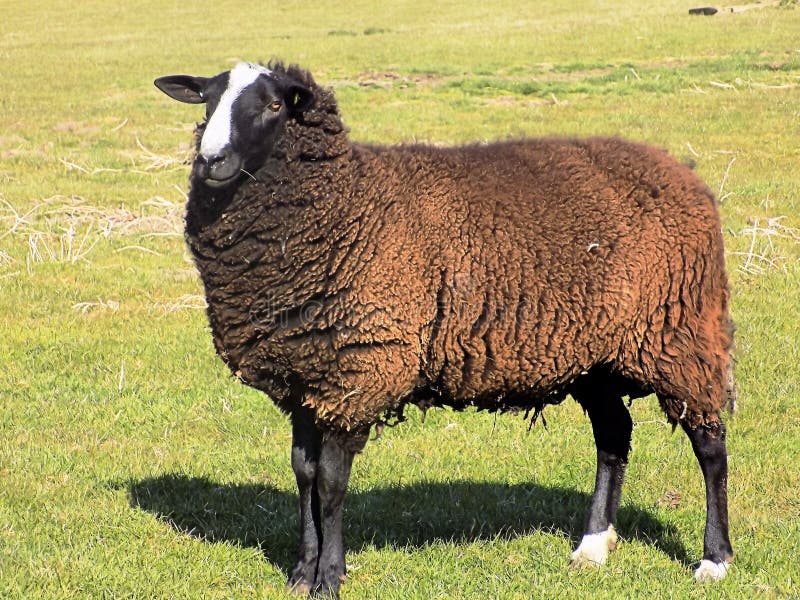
(220, 183)
(218, 172)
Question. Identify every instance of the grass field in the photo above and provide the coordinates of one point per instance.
(133, 466)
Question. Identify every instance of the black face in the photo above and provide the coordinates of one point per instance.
(246, 109)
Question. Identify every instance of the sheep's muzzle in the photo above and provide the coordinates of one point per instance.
(218, 171)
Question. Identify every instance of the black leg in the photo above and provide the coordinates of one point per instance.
(612, 427)
(333, 474)
(708, 444)
(306, 446)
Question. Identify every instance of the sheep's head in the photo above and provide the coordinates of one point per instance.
(246, 110)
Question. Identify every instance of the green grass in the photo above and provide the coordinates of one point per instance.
(132, 465)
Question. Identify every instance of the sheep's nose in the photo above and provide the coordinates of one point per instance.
(201, 166)
(214, 159)
(220, 167)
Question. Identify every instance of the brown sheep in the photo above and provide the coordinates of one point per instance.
(347, 281)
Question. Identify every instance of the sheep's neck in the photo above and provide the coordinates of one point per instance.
(266, 260)
(274, 234)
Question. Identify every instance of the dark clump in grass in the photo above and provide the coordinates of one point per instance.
(621, 81)
(574, 67)
(481, 86)
(367, 31)
(792, 64)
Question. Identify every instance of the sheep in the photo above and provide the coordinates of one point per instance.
(347, 281)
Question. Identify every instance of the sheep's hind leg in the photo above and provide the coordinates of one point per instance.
(612, 427)
(708, 444)
(306, 445)
(333, 474)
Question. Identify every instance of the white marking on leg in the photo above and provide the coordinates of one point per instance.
(594, 547)
(709, 570)
(218, 130)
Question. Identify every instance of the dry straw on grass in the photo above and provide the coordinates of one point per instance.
(66, 229)
(143, 161)
(166, 307)
(6, 259)
(150, 161)
(63, 229)
(187, 301)
(99, 305)
(763, 256)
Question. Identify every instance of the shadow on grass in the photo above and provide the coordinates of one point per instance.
(415, 515)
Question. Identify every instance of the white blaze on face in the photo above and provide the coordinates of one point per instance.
(218, 130)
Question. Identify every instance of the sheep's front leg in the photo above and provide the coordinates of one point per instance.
(333, 474)
(708, 444)
(306, 446)
(612, 427)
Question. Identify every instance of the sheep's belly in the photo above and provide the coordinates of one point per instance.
(514, 401)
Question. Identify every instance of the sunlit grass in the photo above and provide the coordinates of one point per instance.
(133, 465)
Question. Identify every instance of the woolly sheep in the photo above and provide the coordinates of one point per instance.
(348, 280)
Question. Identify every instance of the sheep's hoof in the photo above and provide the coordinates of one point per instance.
(324, 591)
(328, 587)
(299, 588)
(299, 583)
(594, 548)
(711, 571)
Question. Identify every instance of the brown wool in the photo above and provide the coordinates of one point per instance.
(354, 279)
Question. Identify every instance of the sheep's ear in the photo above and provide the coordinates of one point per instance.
(183, 88)
(298, 98)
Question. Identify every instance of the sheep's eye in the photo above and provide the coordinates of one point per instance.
(275, 106)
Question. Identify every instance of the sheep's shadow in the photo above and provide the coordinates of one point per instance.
(418, 514)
